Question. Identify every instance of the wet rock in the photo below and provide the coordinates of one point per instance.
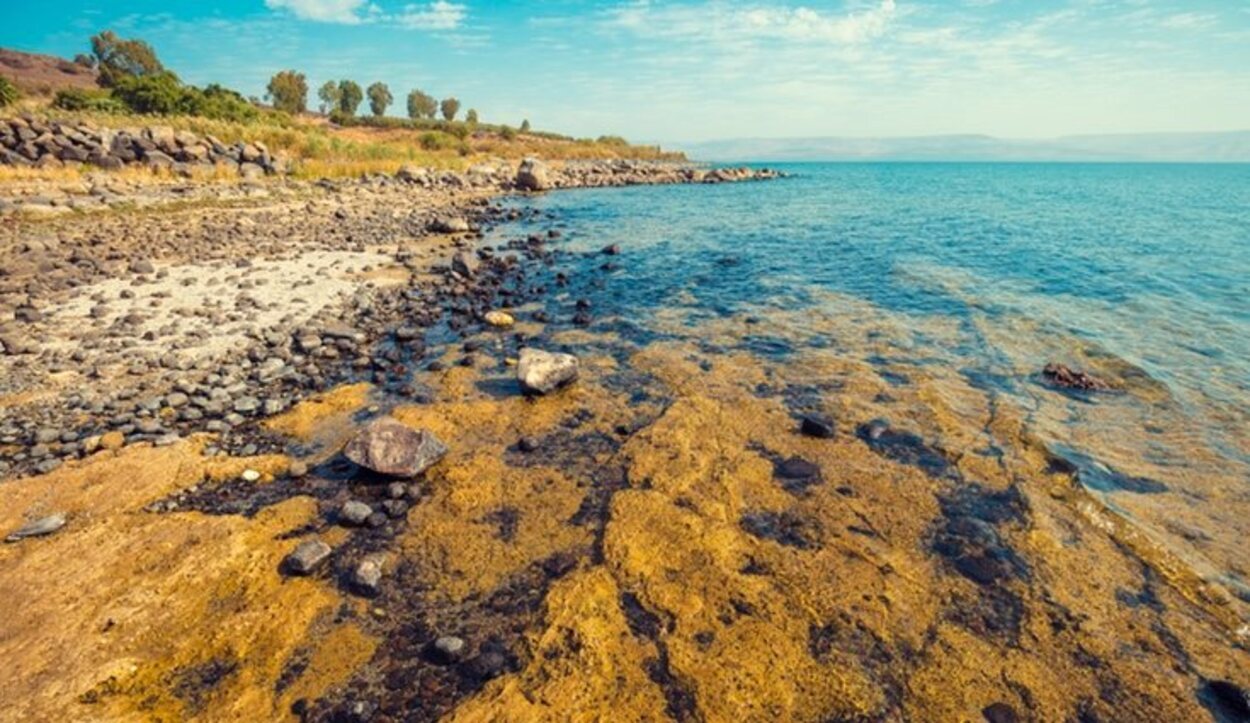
(1064, 377)
(611, 250)
(449, 648)
(297, 469)
(529, 444)
(542, 372)
(307, 557)
(487, 665)
(999, 713)
(387, 447)
(38, 528)
(465, 264)
(354, 513)
(499, 319)
(817, 425)
(367, 577)
(1228, 702)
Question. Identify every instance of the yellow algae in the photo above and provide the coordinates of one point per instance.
(127, 615)
(319, 414)
(586, 665)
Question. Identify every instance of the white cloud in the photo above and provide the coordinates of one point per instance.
(1188, 21)
(722, 20)
(438, 15)
(345, 12)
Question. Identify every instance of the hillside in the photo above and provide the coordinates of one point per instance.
(43, 75)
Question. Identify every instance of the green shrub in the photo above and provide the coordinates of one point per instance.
(88, 100)
(436, 141)
(507, 133)
(8, 92)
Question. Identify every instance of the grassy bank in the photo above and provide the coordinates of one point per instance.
(320, 149)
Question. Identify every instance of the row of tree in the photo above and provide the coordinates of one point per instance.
(288, 91)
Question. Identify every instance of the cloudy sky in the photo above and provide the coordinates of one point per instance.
(678, 70)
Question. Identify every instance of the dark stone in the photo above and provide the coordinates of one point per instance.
(1227, 702)
(387, 447)
(999, 713)
(817, 425)
(1064, 377)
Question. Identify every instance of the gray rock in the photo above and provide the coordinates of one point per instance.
(387, 447)
(354, 513)
(251, 171)
(533, 175)
(306, 558)
(367, 576)
(246, 405)
(465, 264)
(542, 372)
(450, 224)
(38, 528)
(450, 647)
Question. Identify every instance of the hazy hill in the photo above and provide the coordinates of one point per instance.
(44, 74)
(1226, 147)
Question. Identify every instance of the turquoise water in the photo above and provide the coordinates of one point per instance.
(986, 271)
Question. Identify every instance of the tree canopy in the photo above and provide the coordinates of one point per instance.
(119, 58)
(329, 95)
(289, 91)
(421, 105)
(380, 98)
(450, 108)
(350, 96)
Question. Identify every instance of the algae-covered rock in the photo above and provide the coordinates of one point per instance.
(390, 448)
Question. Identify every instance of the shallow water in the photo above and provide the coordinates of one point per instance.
(983, 272)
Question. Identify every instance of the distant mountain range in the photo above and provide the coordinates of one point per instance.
(1227, 147)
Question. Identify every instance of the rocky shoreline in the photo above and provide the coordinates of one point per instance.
(151, 326)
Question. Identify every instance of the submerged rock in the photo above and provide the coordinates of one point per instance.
(38, 528)
(542, 372)
(387, 447)
(1065, 377)
(499, 319)
(817, 425)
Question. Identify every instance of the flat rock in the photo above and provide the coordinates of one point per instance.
(306, 558)
(542, 372)
(387, 447)
(38, 528)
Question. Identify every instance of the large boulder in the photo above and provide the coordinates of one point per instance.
(542, 372)
(387, 447)
(533, 175)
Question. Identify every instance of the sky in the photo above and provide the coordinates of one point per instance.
(693, 70)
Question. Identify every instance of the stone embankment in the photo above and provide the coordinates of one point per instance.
(30, 141)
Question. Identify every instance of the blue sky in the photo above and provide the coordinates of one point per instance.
(679, 70)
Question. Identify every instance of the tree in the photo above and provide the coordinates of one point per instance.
(8, 92)
(379, 98)
(329, 95)
(289, 91)
(119, 58)
(471, 117)
(421, 105)
(525, 126)
(450, 108)
(349, 97)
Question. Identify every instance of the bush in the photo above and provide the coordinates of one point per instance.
(508, 133)
(163, 94)
(8, 92)
(77, 99)
(435, 141)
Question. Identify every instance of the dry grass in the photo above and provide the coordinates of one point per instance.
(319, 150)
